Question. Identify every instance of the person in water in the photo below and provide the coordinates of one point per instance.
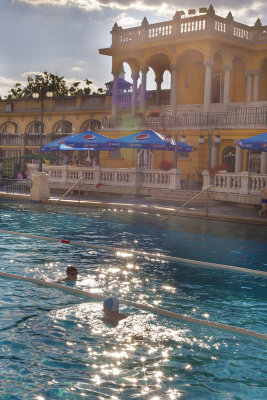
(111, 310)
(72, 273)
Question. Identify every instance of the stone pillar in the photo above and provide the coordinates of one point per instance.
(206, 179)
(143, 91)
(264, 162)
(214, 154)
(134, 93)
(175, 182)
(136, 178)
(244, 182)
(174, 83)
(256, 75)
(249, 85)
(238, 159)
(207, 89)
(22, 150)
(158, 91)
(40, 189)
(226, 90)
(114, 104)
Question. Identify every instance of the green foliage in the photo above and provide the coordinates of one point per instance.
(47, 82)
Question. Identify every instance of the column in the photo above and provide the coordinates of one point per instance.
(143, 91)
(114, 104)
(134, 93)
(238, 159)
(264, 162)
(207, 89)
(249, 85)
(158, 91)
(226, 90)
(214, 154)
(256, 75)
(174, 83)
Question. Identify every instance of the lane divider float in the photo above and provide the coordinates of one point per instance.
(204, 264)
(156, 310)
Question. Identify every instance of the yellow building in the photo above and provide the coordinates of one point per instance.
(218, 94)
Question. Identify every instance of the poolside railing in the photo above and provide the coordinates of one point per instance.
(8, 185)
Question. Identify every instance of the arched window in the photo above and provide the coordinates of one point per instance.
(9, 127)
(254, 161)
(63, 127)
(228, 157)
(34, 127)
(91, 125)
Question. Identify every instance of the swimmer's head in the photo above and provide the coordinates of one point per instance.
(72, 272)
(111, 304)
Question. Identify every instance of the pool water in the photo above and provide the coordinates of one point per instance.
(55, 345)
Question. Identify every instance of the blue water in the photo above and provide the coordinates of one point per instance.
(57, 346)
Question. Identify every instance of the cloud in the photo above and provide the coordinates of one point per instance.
(76, 69)
(125, 20)
(245, 11)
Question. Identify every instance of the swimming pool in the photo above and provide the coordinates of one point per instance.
(56, 345)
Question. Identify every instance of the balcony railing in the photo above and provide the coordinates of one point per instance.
(246, 117)
(191, 26)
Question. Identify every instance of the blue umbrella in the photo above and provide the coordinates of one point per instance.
(89, 140)
(57, 145)
(149, 139)
(258, 142)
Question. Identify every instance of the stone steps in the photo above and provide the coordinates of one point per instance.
(180, 196)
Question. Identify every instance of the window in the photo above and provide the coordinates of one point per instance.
(63, 127)
(92, 125)
(9, 127)
(34, 127)
(254, 161)
(228, 157)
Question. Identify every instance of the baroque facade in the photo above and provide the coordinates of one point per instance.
(217, 95)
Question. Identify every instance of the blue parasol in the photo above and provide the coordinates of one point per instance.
(89, 140)
(57, 145)
(258, 142)
(149, 139)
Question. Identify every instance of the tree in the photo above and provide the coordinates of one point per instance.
(49, 82)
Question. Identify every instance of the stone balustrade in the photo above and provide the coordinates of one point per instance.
(110, 177)
(243, 183)
(181, 26)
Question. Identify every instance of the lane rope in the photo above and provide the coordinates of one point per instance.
(204, 264)
(156, 310)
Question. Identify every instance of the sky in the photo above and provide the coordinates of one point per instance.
(63, 36)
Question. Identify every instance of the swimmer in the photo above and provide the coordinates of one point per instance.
(72, 273)
(111, 310)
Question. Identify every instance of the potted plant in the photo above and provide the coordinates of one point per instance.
(218, 168)
(153, 114)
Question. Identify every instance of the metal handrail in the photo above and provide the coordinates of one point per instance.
(187, 202)
(65, 194)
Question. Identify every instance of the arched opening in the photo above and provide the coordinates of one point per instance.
(228, 157)
(254, 161)
(91, 125)
(63, 128)
(9, 128)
